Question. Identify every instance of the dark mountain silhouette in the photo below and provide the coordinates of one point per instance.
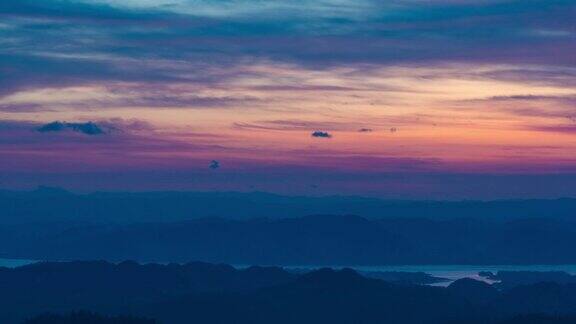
(509, 279)
(312, 240)
(205, 293)
(414, 278)
(51, 286)
(475, 291)
(544, 297)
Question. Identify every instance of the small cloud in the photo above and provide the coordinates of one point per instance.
(88, 128)
(321, 134)
(393, 130)
(365, 130)
(214, 165)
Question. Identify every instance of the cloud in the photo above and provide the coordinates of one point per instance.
(298, 125)
(80, 147)
(321, 134)
(365, 130)
(140, 42)
(530, 98)
(88, 128)
(543, 106)
(99, 127)
(214, 165)
(21, 107)
(320, 69)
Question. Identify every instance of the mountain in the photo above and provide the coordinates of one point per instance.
(311, 240)
(508, 279)
(475, 291)
(53, 204)
(104, 286)
(218, 294)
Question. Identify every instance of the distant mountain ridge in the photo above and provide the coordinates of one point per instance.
(311, 240)
(48, 204)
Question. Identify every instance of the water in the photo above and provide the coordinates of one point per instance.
(13, 263)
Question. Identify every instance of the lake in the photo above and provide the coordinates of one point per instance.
(12, 263)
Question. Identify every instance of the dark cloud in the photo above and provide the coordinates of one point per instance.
(214, 165)
(321, 134)
(365, 130)
(88, 128)
(100, 127)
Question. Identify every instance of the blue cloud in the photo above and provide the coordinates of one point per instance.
(214, 165)
(88, 128)
(321, 134)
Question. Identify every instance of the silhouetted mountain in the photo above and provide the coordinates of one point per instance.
(53, 204)
(48, 286)
(398, 277)
(218, 294)
(324, 296)
(475, 291)
(130, 278)
(312, 240)
(87, 318)
(510, 279)
(544, 297)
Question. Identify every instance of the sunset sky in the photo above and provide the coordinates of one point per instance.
(416, 99)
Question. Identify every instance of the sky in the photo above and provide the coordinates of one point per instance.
(403, 99)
